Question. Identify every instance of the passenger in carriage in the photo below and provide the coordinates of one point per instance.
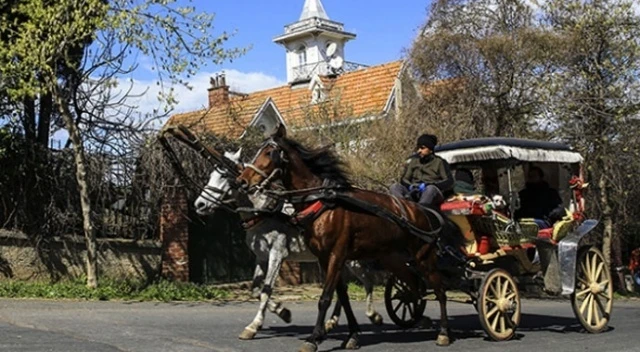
(464, 182)
(539, 201)
(426, 177)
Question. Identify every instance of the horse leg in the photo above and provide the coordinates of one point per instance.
(364, 276)
(277, 254)
(332, 276)
(352, 341)
(332, 322)
(441, 296)
(258, 279)
(273, 267)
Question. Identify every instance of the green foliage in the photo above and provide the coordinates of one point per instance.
(39, 37)
(112, 290)
(492, 59)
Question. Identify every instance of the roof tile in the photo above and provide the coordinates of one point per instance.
(357, 93)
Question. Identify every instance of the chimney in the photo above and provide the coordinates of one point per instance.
(219, 91)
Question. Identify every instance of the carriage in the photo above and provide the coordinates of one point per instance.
(504, 255)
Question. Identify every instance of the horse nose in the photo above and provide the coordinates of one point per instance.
(243, 184)
(200, 204)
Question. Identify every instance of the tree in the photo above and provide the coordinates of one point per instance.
(94, 43)
(595, 94)
(494, 59)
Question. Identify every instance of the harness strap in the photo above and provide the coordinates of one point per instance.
(249, 223)
(309, 213)
(257, 170)
(427, 236)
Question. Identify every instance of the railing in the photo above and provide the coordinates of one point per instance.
(314, 22)
(305, 72)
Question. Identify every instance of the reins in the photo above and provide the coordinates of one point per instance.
(337, 193)
(223, 164)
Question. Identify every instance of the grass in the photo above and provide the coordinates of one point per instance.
(166, 291)
(112, 290)
(629, 295)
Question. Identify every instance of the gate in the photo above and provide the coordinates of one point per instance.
(217, 250)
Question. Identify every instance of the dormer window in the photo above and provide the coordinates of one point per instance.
(317, 95)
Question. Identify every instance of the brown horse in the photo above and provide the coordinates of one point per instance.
(341, 231)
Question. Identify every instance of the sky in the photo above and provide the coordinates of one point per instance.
(384, 30)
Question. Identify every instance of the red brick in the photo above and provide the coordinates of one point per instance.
(174, 233)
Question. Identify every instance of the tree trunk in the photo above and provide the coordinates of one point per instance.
(44, 119)
(616, 261)
(81, 176)
(607, 221)
(29, 119)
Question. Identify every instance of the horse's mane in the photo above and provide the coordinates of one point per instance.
(322, 162)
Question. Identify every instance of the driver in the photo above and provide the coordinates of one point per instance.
(426, 176)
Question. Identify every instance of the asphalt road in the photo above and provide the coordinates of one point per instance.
(34, 325)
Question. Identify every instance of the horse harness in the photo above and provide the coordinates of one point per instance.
(319, 199)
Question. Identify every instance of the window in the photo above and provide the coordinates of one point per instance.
(302, 55)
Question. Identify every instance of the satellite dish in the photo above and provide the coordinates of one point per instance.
(331, 49)
(336, 63)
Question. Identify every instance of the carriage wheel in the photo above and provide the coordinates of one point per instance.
(592, 299)
(404, 306)
(499, 305)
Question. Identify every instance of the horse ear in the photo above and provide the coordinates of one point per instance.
(281, 132)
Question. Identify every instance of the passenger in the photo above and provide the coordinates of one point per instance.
(464, 182)
(538, 200)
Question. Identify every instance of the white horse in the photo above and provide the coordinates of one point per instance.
(272, 241)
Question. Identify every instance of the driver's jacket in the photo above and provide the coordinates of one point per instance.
(431, 170)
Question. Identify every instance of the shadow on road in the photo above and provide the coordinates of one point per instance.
(462, 327)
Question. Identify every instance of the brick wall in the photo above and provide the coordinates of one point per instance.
(174, 234)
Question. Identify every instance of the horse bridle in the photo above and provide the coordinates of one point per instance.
(225, 198)
(278, 157)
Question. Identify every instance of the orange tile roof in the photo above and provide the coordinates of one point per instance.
(357, 93)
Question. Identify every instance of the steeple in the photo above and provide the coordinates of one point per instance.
(314, 44)
(313, 8)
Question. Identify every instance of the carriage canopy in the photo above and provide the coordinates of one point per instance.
(493, 150)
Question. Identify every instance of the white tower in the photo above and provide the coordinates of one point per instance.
(314, 44)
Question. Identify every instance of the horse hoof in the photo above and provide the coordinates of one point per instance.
(285, 315)
(376, 319)
(351, 344)
(247, 334)
(330, 325)
(426, 323)
(443, 340)
(308, 347)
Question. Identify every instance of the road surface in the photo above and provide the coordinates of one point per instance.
(36, 325)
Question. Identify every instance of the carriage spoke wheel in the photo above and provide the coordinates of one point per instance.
(404, 306)
(499, 305)
(592, 299)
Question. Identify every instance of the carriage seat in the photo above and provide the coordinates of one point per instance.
(466, 205)
(560, 229)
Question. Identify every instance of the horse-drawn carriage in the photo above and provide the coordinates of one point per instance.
(504, 254)
(495, 253)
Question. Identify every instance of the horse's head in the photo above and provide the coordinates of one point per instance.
(218, 190)
(282, 163)
(267, 166)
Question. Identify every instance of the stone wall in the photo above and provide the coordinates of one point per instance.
(23, 258)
